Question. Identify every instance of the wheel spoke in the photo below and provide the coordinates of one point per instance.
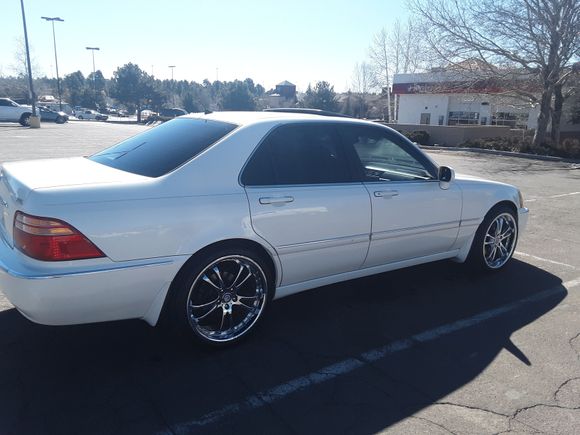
(241, 302)
(224, 312)
(210, 282)
(219, 275)
(242, 268)
(499, 226)
(506, 233)
(203, 305)
(492, 254)
(206, 314)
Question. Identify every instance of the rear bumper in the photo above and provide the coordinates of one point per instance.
(94, 293)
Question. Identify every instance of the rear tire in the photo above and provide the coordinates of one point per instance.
(495, 240)
(220, 296)
(25, 120)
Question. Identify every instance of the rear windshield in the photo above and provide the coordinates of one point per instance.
(161, 149)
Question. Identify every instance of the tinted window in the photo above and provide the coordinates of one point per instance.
(5, 103)
(298, 154)
(161, 149)
(383, 156)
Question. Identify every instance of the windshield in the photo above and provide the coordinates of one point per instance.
(161, 149)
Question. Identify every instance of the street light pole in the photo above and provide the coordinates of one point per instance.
(52, 20)
(93, 49)
(172, 83)
(32, 96)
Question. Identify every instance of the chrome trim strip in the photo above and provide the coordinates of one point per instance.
(6, 269)
(402, 232)
(323, 244)
(469, 222)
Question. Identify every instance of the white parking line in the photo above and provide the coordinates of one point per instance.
(561, 195)
(523, 254)
(333, 371)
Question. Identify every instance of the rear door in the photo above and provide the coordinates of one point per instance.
(304, 202)
(412, 216)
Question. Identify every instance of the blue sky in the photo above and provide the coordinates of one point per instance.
(301, 41)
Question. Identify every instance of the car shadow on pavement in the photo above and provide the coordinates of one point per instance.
(289, 376)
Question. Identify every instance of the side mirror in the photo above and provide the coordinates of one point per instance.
(446, 176)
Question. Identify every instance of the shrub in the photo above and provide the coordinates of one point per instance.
(569, 148)
(421, 137)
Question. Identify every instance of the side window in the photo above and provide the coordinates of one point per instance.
(298, 154)
(384, 157)
(4, 103)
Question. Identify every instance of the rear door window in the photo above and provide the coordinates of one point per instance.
(299, 154)
(161, 149)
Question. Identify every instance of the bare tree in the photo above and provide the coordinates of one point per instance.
(362, 78)
(19, 67)
(536, 40)
(396, 50)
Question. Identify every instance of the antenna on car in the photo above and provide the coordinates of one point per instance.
(307, 111)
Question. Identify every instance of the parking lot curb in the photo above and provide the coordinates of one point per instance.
(500, 153)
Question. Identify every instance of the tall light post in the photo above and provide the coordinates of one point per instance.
(93, 49)
(52, 20)
(34, 119)
(172, 84)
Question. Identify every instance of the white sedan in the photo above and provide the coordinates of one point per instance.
(205, 219)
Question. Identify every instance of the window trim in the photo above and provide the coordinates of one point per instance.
(333, 125)
(399, 140)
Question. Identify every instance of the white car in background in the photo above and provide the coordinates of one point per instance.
(90, 115)
(205, 219)
(11, 111)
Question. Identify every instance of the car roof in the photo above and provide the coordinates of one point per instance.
(247, 118)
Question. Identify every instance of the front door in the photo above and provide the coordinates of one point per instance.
(303, 201)
(412, 216)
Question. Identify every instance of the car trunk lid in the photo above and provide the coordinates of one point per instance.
(18, 179)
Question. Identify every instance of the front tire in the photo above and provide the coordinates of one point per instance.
(219, 298)
(495, 240)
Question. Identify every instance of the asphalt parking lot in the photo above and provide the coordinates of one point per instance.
(432, 349)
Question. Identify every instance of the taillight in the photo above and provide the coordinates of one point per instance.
(50, 239)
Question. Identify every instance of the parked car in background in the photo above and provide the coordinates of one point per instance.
(11, 111)
(91, 114)
(47, 114)
(167, 114)
(203, 220)
(147, 115)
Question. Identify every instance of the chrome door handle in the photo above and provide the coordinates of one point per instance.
(386, 193)
(276, 199)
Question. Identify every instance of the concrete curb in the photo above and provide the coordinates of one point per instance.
(501, 153)
(123, 122)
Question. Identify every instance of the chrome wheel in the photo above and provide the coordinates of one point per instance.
(227, 298)
(499, 241)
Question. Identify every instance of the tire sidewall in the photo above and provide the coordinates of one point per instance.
(476, 258)
(25, 120)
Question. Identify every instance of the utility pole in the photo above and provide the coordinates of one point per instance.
(34, 119)
(93, 49)
(52, 20)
